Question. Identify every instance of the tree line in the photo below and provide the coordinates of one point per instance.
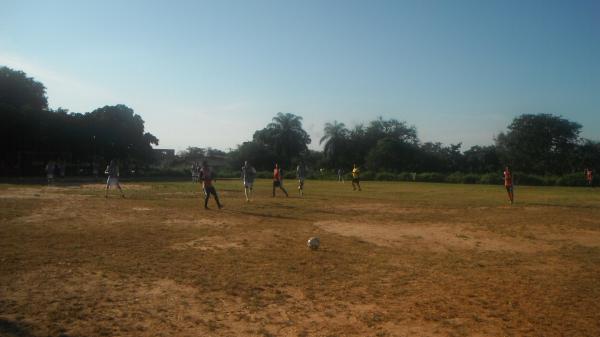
(543, 144)
(32, 134)
(532, 143)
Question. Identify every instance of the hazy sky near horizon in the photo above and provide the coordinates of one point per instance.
(210, 73)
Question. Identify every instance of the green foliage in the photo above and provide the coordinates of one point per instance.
(431, 177)
(541, 143)
(386, 176)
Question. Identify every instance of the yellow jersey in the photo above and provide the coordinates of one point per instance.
(355, 172)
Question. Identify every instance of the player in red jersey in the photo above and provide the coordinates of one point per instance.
(278, 180)
(508, 184)
(589, 176)
(206, 176)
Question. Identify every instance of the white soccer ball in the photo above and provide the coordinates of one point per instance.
(313, 243)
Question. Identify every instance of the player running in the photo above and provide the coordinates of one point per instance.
(206, 176)
(301, 175)
(589, 176)
(508, 184)
(112, 170)
(278, 180)
(248, 176)
(356, 178)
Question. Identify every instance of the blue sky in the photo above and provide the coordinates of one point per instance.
(210, 73)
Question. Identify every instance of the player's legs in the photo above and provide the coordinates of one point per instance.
(509, 190)
(120, 190)
(283, 189)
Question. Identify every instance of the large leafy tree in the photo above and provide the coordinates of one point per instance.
(540, 143)
(336, 140)
(19, 91)
(285, 137)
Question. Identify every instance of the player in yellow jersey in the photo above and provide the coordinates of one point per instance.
(356, 178)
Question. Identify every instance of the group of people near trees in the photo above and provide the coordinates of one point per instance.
(248, 174)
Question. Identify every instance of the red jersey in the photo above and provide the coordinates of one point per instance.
(276, 174)
(589, 175)
(508, 179)
(206, 177)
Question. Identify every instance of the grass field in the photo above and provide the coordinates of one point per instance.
(397, 259)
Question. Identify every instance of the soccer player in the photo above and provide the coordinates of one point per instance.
(340, 175)
(112, 170)
(508, 184)
(356, 178)
(278, 180)
(248, 176)
(589, 176)
(50, 167)
(301, 175)
(206, 176)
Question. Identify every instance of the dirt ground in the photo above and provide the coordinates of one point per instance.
(397, 259)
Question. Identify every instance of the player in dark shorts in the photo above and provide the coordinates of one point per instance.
(206, 176)
(278, 180)
(508, 184)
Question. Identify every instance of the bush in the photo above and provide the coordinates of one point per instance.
(386, 176)
(433, 177)
(528, 179)
(491, 179)
(573, 179)
(455, 178)
(406, 176)
(367, 175)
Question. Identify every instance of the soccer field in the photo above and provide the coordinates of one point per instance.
(396, 259)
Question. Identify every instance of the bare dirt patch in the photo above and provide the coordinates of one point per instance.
(392, 209)
(208, 243)
(124, 186)
(433, 236)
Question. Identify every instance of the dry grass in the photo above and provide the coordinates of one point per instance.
(397, 259)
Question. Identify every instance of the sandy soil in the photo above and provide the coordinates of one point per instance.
(73, 263)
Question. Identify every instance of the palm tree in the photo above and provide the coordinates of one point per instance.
(286, 135)
(334, 137)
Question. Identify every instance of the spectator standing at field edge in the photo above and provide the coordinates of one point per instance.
(206, 176)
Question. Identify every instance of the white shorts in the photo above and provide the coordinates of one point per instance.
(112, 181)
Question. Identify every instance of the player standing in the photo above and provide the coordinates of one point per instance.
(508, 184)
(248, 176)
(206, 176)
(589, 176)
(112, 170)
(301, 175)
(50, 168)
(356, 178)
(340, 173)
(278, 180)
